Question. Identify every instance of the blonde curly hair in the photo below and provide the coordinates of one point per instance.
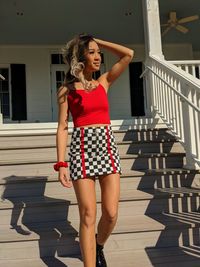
(73, 55)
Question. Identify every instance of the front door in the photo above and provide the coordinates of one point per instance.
(57, 78)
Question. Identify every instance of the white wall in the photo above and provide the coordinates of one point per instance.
(119, 92)
(38, 85)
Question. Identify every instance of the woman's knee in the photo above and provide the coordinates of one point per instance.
(110, 215)
(88, 217)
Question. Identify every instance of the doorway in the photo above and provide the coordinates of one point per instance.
(136, 89)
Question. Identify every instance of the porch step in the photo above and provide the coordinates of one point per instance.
(157, 207)
(125, 147)
(38, 209)
(162, 257)
(130, 161)
(14, 186)
(125, 224)
(49, 243)
(44, 140)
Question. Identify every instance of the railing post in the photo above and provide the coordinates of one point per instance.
(1, 116)
(189, 129)
(148, 82)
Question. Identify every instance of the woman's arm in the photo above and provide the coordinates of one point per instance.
(62, 135)
(125, 56)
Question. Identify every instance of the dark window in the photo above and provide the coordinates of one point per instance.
(56, 59)
(60, 76)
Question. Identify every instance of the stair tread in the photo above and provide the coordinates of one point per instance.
(129, 194)
(4, 146)
(23, 160)
(128, 258)
(145, 214)
(36, 172)
(125, 224)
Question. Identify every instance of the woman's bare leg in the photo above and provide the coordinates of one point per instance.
(110, 193)
(86, 197)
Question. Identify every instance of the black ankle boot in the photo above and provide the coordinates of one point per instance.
(100, 259)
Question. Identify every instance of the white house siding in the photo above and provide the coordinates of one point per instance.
(38, 85)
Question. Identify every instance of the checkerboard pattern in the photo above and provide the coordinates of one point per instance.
(93, 152)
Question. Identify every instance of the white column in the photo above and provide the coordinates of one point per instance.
(153, 44)
(152, 33)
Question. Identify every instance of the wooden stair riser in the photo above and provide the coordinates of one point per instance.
(44, 187)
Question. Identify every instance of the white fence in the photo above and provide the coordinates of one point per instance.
(176, 98)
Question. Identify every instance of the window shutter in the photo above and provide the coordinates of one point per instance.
(18, 90)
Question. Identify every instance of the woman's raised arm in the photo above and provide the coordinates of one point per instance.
(125, 55)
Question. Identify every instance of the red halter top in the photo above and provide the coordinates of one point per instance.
(89, 107)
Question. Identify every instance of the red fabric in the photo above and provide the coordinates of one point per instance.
(82, 152)
(89, 107)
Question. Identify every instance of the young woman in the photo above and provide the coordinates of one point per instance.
(93, 151)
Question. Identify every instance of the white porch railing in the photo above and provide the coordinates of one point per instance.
(190, 66)
(176, 98)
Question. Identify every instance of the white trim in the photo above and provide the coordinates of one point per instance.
(7, 66)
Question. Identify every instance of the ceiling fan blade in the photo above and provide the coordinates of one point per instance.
(182, 29)
(166, 31)
(172, 16)
(188, 19)
(164, 25)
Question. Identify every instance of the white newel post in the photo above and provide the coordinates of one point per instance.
(1, 116)
(153, 44)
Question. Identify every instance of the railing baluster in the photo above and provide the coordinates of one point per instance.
(177, 100)
(193, 71)
(180, 114)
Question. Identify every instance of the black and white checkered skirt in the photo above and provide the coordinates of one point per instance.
(93, 152)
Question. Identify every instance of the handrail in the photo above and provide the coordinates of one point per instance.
(186, 77)
(176, 98)
(190, 66)
(185, 62)
(173, 88)
(1, 76)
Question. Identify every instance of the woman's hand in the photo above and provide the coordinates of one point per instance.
(64, 177)
(125, 56)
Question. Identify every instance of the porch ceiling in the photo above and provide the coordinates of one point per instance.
(54, 21)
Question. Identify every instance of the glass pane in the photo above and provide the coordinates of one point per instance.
(5, 99)
(58, 75)
(6, 110)
(58, 85)
(62, 76)
(55, 59)
(4, 86)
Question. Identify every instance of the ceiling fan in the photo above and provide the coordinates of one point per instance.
(173, 22)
